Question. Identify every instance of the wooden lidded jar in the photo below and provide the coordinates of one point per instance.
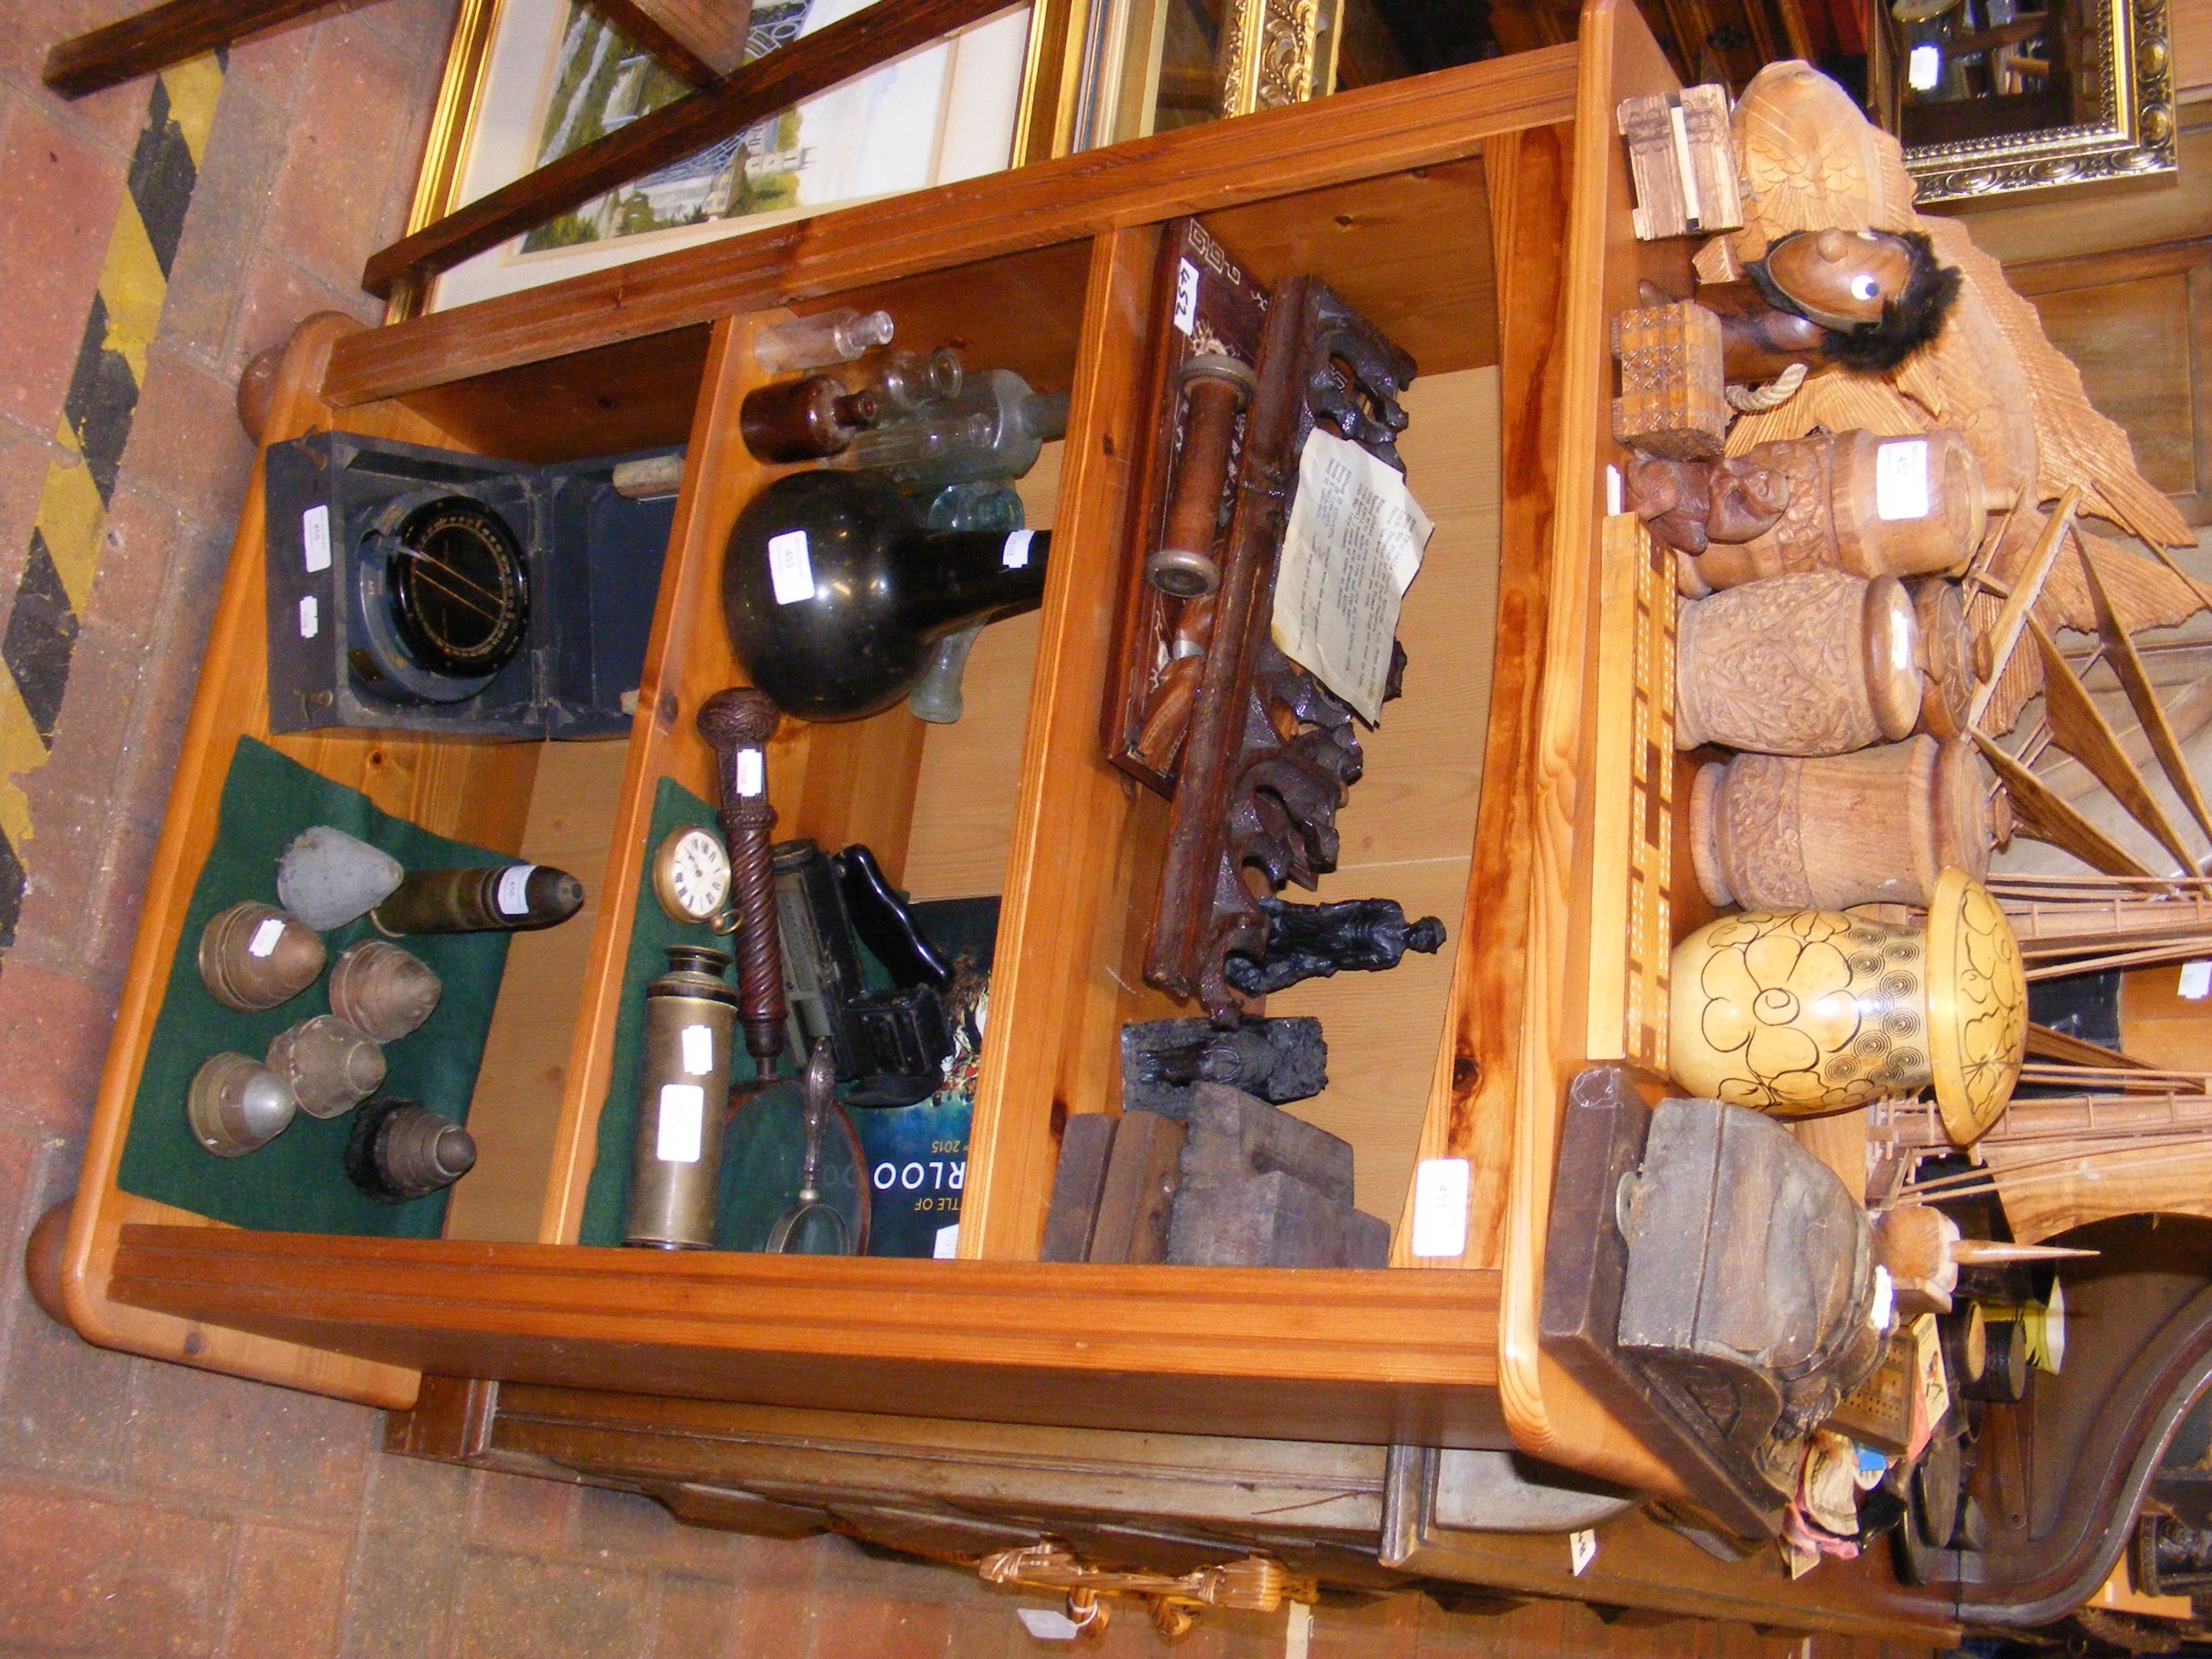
(1775, 832)
(1948, 666)
(1818, 663)
(1804, 1012)
(1859, 503)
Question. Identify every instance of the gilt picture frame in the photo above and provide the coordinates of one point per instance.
(2102, 69)
(527, 80)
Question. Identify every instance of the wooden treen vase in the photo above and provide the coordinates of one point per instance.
(1801, 1012)
(1865, 505)
(1880, 826)
(1814, 664)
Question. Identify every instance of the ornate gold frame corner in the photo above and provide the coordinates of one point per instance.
(2133, 136)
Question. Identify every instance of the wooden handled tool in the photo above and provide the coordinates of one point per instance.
(1215, 388)
(739, 723)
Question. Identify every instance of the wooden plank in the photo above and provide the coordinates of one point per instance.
(1470, 1108)
(1327, 1354)
(2128, 668)
(159, 36)
(1060, 986)
(812, 64)
(1552, 1415)
(1357, 135)
(443, 787)
(701, 40)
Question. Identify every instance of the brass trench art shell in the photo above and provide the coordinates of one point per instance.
(236, 1104)
(254, 957)
(1803, 1012)
(331, 1066)
(382, 990)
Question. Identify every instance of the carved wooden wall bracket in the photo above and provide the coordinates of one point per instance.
(1270, 752)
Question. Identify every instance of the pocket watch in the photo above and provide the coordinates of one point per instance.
(691, 874)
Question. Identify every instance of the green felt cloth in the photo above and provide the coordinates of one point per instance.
(653, 930)
(297, 1183)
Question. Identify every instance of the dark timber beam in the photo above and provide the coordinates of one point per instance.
(159, 36)
(700, 41)
(887, 29)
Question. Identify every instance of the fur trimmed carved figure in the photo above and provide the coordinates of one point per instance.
(1865, 301)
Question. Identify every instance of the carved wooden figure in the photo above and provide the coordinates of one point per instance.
(1270, 753)
(1815, 663)
(1879, 826)
(1315, 941)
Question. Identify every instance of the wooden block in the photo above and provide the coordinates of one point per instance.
(1234, 1137)
(1085, 1145)
(1141, 1181)
(1673, 402)
(1273, 1220)
(1683, 157)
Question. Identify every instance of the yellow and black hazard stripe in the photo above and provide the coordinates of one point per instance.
(95, 424)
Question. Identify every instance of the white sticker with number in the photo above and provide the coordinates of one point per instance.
(264, 938)
(947, 1245)
(1185, 309)
(1048, 1623)
(682, 1117)
(699, 1051)
(2197, 979)
(315, 537)
(513, 895)
(311, 617)
(1015, 556)
(1440, 1187)
(750, 775)
(1900, 479)
(790, 571)
(1582, 1550)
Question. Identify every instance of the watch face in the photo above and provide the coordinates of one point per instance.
(691, 875)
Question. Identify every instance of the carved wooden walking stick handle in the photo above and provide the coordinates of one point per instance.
(739, 723)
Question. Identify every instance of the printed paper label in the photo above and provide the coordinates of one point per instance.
(1048, 1623)
(1352, 549)
(1186, 306)
(265, 937)
(1440, 1186)
(1015, 556)
(311, 617)
(682, 1114)
(513, 897)
(2197, 979)
(789, 569)
(699, 1051)
(1582, 1549)
(946, 1247)
(1900, 479)
(315, 535)
(751, 772)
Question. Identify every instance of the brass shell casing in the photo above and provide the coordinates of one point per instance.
(682, 1095)
(253, 956)
(400, 1150)
(331, 1066)
(500, 899)
(236, 1105)
(382, 990)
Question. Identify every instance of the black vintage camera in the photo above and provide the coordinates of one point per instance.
(426, 590)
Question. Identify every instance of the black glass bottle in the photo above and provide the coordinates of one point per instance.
(836, 592)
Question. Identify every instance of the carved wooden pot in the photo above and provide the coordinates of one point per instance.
(1868, 506)
(1775, 833)
(1806, 1012)
(1815, 663)
(1947, 666)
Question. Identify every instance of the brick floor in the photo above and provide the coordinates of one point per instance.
(149, 1510)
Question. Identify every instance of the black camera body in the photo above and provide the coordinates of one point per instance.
(424, 590)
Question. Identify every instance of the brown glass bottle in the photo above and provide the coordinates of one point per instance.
(804, 420)
(511, 898)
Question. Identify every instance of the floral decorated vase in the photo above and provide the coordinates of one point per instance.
(1801, 1012)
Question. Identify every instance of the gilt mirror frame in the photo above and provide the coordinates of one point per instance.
(2129, 133)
